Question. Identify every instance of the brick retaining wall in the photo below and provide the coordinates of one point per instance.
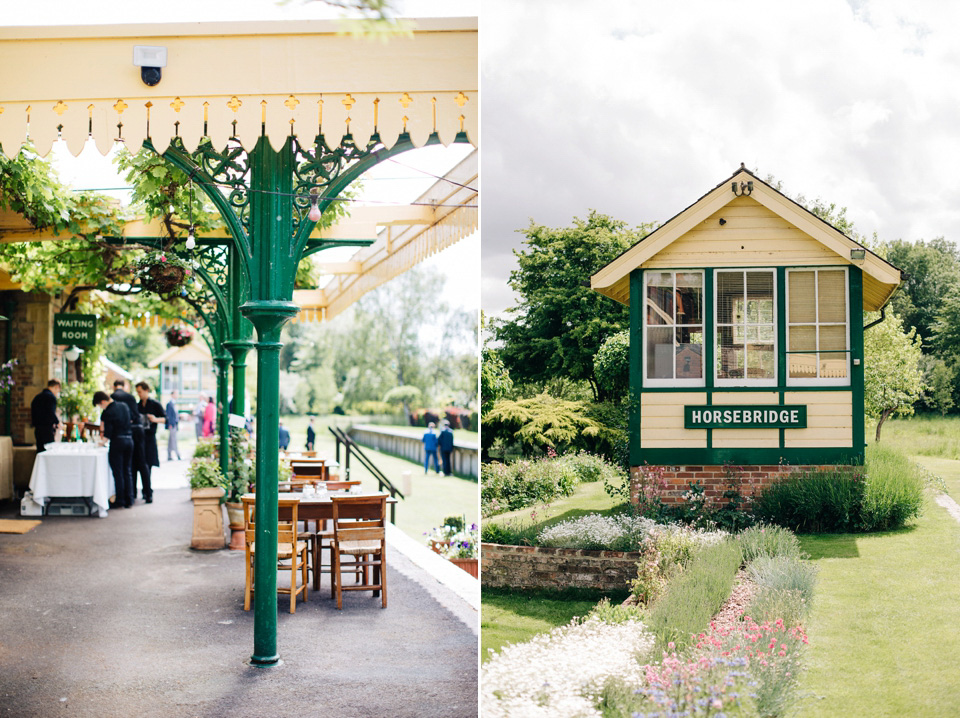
(556, 568)
(750, 480)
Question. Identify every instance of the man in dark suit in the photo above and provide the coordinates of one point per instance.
(43, 414)
(152, 411)
(445, 441)
(139, 439)
(311, 436)
(284, 437)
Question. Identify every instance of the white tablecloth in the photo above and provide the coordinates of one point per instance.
(73, 470)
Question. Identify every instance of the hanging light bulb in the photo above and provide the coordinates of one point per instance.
(191, 240)
(315, 213)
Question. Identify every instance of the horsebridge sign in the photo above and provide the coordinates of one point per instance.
(745, 417)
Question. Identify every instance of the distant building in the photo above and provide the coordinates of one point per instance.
(188, 370)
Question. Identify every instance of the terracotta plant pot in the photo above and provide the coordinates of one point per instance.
(238, 540)
(470, 565)
(207, 519)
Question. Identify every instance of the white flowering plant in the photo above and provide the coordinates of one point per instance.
(455, 539)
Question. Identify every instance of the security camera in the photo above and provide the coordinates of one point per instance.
(150, 59)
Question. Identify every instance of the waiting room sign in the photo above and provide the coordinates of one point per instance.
(75, 329)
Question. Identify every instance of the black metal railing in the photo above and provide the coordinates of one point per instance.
(352, 448)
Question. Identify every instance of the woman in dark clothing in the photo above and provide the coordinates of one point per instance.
(155, 414)
(115, 424)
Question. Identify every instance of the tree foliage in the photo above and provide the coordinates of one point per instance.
(560, 322)
(545, 422)
(931, 274)
(893, 380)
(612, 365)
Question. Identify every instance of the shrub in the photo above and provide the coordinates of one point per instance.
(783, 573)
(813, 502)
(695, 595)
(894, 490)
(589, 468)
(204, 473)
(508, 533)
(598, 532)
(507, 487)
(763, 540)
(206, 448)
(768, 605)
(614, 612)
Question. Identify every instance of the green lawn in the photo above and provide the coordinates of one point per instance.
(587, 498)
(926, 435)
(883, 629)
(516, 617)
(433, 498)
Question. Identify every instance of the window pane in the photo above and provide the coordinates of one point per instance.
(760, 297)
(802, 366)
(730, 363)
(660, 298)
(689, 352)
(689, 298)
(660, 353)
(802, 297)
(833, 366)
(803, 339)
(832, 296)
(729, 296)
(761, 361)
(833, 338)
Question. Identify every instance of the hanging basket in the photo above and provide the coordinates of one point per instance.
(163, 278)
(179, 336)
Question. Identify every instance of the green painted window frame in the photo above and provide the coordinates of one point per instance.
(818, 381)
(704, 300)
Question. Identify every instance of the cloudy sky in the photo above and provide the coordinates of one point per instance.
(636, 109)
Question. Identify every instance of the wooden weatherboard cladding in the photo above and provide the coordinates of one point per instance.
(75, 329)
(746, 341)
(750, 416)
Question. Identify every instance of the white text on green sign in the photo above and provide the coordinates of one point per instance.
(75, 329)
(745, 417)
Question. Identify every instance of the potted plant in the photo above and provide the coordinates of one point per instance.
(207, 484)
(162, 272)
(73, 402)
(178, 336)
(457, 543)
(238, 483)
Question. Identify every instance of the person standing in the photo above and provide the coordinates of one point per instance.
(154, 414)
(140, 466)
(311, 436)
(446, 447)
(172, 424)
(209, 417)
(198, 409)
(43, 414)
(430, 447)
(284, 437)
(116, 426)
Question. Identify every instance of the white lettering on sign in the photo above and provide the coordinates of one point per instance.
(794, 416)
(696, 417)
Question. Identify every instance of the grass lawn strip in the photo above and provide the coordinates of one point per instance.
(517, 617)
(883, 638)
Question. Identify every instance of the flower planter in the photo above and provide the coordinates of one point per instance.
(178, 338)
(470, 565)
(238, 540)
(163, 278)
(207, 519)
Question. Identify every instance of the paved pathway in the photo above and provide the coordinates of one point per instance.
(118, 617)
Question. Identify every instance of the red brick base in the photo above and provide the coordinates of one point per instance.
(670, 483)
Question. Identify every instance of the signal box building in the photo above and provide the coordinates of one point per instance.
(746, 339)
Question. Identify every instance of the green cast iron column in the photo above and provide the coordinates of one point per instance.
(239, 349)
(223, 377)
(269, 308)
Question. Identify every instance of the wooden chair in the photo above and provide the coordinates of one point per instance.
(359, 530)
(289, 548)
(312, 469)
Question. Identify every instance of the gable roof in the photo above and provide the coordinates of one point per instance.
(880, 278)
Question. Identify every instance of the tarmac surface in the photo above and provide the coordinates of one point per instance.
(119, 617)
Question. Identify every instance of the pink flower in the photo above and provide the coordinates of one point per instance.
(162, 258)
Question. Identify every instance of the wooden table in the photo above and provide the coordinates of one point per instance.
(314, 508)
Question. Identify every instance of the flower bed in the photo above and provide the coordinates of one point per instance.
(561, 673)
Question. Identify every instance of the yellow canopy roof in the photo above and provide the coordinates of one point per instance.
(239, 79)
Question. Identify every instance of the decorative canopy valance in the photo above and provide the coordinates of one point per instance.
(237, 80)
